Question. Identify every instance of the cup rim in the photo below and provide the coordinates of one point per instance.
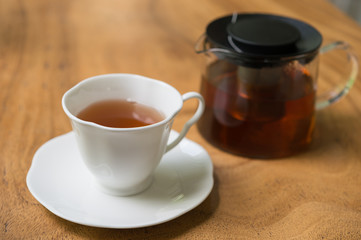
(92, 124)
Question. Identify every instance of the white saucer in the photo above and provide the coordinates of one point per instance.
(60, 182)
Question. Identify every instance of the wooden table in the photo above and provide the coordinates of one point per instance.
(47, 46)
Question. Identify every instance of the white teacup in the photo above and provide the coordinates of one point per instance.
(122, 160)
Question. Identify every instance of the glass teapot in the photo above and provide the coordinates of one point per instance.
(260, 84)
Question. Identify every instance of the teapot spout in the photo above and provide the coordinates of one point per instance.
(201, 43)
(203, 46)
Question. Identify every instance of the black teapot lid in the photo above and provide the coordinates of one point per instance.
(263, 35)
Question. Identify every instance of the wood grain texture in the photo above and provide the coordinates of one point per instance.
(47, 46)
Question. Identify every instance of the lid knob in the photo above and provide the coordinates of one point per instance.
(263, 34)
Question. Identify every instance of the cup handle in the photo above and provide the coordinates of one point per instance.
(191, 121)
(327, 98)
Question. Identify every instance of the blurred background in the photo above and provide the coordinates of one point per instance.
(350, 7)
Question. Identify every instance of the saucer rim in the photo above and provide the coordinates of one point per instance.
(53, 210)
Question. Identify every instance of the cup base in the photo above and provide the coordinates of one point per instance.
(123, 192)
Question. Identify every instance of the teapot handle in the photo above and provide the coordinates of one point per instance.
(327, 98)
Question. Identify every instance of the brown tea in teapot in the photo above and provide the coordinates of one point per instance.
(260, 112)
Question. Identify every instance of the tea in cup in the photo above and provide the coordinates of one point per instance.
(122, 124)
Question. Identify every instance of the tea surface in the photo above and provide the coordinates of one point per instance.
(120, 113)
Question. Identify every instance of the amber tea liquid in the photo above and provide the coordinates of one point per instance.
(119, 113)
(272, 117)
